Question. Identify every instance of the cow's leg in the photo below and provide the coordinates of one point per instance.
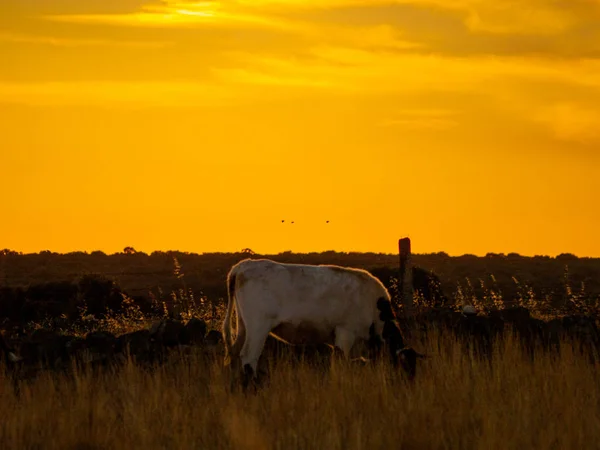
(252, 349)
(344, 340)
(374, 343)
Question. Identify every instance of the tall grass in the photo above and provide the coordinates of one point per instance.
(457, 402)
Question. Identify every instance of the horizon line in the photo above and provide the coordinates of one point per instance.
(4, 251)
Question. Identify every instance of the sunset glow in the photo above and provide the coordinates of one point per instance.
(472, 126)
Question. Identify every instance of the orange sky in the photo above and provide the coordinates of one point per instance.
(472, 126)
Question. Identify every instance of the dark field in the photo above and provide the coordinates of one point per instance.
(521, 374)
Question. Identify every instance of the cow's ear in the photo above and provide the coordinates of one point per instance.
(402, 353)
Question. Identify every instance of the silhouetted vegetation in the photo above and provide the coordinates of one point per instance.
(114, 323)
(34, 287)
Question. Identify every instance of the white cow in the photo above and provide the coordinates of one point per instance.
(301, 304)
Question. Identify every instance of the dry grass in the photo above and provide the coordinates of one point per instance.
(456, 403)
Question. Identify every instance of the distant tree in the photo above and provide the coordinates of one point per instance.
(542, 257)
(7, 252)
(566, 257)
(98, 253)
(129, 251)
(248, 251)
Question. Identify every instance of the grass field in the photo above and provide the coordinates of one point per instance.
(457, 402)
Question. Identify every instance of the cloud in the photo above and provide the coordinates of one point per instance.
(40, 7)
(176, 14)
(481, 16)
(534, 18)
(351, 69)
(76, 42)
(506, 27)
(572, 122)
(382, 37)
(513, 17)
(122, 93)
(213, 14)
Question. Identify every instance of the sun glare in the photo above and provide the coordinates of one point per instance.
(187, 12)
(198, 9)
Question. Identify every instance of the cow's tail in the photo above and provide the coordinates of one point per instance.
(228, 315)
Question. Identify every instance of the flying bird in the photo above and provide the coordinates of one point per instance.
(283, 221)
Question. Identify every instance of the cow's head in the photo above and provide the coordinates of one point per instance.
(386, 313)
(400, 355)
(407, 357)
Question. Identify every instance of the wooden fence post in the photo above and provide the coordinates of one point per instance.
(406, 282)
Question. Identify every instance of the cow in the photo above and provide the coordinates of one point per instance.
(305, 304)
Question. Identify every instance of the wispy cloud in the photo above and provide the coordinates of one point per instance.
(76, 42)
(572, 122)
(482, 16)
(173, 14)
(121, 93)
(177, 14)
(386, 71)
(538, 18)
(373, 37)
